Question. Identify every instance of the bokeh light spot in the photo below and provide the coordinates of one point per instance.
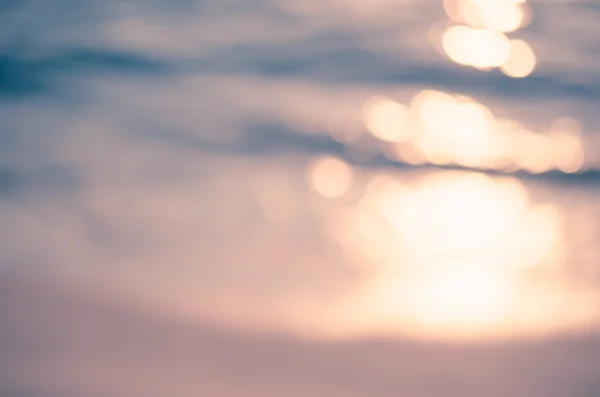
(386, 119)
(521, 62)
(480, 48)
(329, 176)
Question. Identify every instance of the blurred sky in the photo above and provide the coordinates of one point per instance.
(358, 198)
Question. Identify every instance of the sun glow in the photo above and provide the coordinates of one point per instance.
(450, 257)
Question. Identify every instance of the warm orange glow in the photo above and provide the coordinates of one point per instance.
(443, 128)
(453, 128)
(502, 16)
(521, 62)
(480, 48)
(386, 119)
(448, 256)
(480, 41)
(462, 211)
(458, 298)
(329, 176)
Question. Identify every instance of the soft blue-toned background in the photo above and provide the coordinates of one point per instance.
(135, 140)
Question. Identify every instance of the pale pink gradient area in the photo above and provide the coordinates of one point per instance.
(56, 342)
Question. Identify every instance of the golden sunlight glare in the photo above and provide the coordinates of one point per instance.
(458, 298)
(450, 256)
